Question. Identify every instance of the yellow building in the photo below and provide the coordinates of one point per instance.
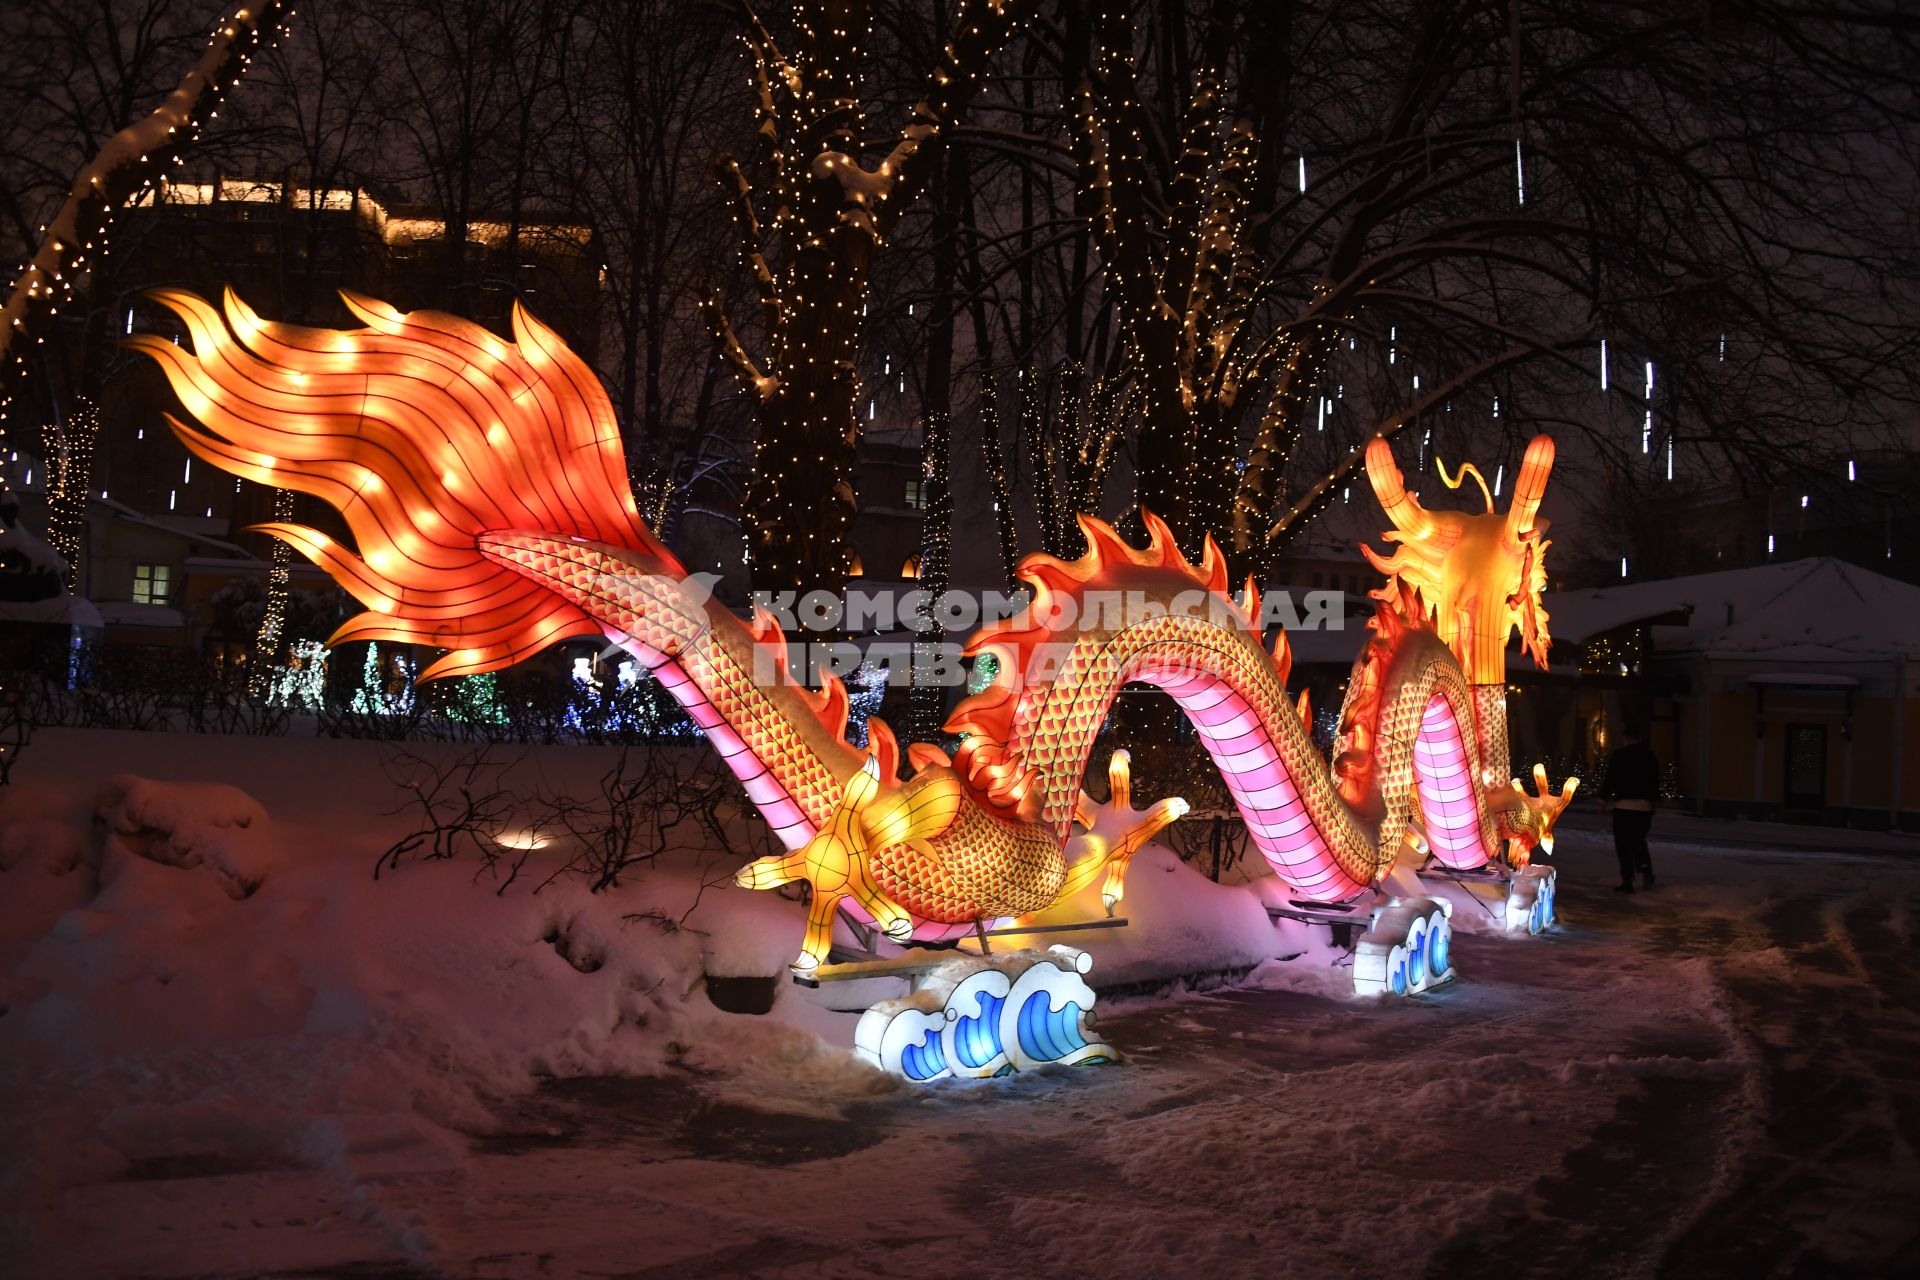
(1787, 690)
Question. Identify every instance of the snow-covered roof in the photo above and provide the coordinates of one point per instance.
(63, 609)
(122, 512)
(1803, 611)
(124, 613)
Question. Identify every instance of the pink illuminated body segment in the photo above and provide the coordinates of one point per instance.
(1251, 764)
(1448, 799)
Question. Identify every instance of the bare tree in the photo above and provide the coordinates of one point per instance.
(94, 83)
(471, 97)
(314, 113)
(654, 799)
(458, 802)
(1322, 224)
(18, 721)
(642, 113)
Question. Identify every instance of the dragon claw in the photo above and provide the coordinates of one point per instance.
(1117, 856)
(767, 873)
(835, 866)
(1531, 818)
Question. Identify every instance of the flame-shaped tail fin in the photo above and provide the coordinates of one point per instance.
(424, 431)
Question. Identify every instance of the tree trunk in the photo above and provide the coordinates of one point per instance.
(798, 508)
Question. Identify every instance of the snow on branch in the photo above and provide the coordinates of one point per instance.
(770, 67)
(729, 343)
(879, 195)
(751, 249)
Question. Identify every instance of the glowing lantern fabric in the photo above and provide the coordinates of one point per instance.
(987, 1016)
(423, 431)
(1481, 574)
(1447, 795)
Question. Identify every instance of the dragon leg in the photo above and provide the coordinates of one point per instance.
(772, 872)
(1115, 857)
(865, 891)
(819, 937)
(1162, 814)
(835, 866)
(1092, 859)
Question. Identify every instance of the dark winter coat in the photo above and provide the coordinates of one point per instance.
(1633, 773)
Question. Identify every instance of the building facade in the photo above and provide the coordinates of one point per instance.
(163, 532)
(1782, 691)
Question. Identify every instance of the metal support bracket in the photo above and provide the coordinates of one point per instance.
(1489, 872)
(847, 963)
(1338, 918)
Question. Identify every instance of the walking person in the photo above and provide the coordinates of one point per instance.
(1633, 785)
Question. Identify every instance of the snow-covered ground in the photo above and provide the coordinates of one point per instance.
(228, 1051)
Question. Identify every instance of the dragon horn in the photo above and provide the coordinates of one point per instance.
(1530, 488)
(1408, 516)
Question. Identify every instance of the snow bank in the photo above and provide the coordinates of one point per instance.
(189, 980)
(168, 1017)
(189, 824)
(1178, 922)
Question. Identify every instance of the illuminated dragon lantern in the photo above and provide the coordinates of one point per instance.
(486, 492)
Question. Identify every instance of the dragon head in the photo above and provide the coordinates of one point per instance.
(1482, 572)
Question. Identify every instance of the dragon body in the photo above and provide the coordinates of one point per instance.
(486, 493)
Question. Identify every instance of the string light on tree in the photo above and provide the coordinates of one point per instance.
(810, 268)
(926, 696)
(999, 485)
(68, 450)
(267, 642)
(131, 162)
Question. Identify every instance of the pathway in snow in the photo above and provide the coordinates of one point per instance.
(1711, 1079)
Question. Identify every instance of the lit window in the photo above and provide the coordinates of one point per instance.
(150, 583)
(916, 495)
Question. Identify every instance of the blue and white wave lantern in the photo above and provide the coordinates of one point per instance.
(987, 1016)
(1407, 949)
(1531, 900)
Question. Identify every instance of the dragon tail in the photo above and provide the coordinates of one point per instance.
(426, 433)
